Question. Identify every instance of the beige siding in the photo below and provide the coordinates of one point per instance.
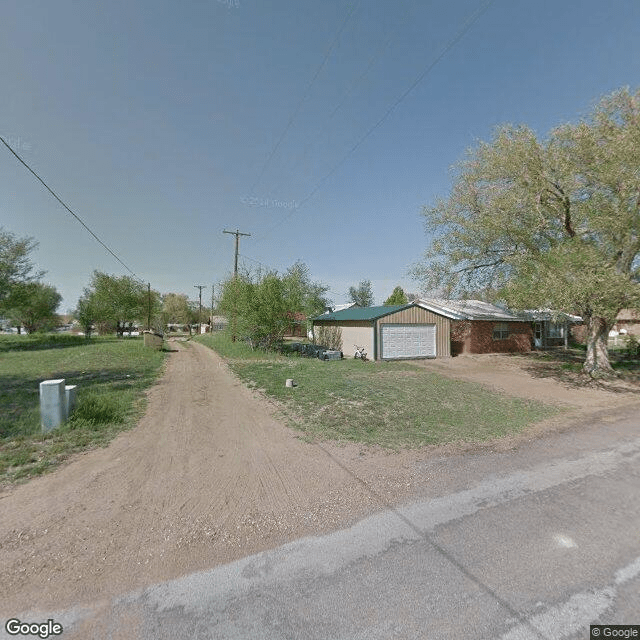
(360, 333)
(417, 315)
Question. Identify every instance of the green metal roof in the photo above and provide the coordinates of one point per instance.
(361, 313)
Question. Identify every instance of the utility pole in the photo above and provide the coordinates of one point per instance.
(200, 287)
(212, 301)
(237, 234)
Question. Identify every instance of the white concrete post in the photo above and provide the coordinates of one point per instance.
(53, 404)
(70, 399)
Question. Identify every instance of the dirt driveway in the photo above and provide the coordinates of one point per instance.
(528, 376)
(208, 476)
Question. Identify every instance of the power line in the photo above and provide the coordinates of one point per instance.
(305, 95)
(376, 55)
(258, 262)
(77, 217)
(470, 21)
(372, 60)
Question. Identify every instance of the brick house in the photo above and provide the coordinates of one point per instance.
(430, 328)
(481, 327)
(296, 324)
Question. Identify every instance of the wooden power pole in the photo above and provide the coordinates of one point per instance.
(200, 287)
(237, 234)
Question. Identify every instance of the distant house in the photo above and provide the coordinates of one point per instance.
(66, 322)
(340, 307)
(628, 321)
(218, 323)
(297, 324)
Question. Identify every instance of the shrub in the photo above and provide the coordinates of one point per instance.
(329, 336)
(632, 348)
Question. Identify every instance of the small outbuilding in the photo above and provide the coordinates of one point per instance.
(390, 332)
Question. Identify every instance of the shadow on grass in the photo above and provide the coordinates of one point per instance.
(565, 366)
(36, 342)
(20, 395)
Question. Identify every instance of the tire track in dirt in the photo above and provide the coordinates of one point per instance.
(207, 476)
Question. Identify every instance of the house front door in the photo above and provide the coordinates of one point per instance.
(537, 334)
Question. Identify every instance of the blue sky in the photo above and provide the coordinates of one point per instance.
(154, 121)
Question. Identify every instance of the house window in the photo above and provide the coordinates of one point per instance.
(556, 330)
(500, 331)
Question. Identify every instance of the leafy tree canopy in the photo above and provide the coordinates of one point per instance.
(547, 223)
(302, 294)
(119, 302)
(33, 305)
(260, 307)
(398, 296)
(362, 295)
(176, 309)
(16, 266)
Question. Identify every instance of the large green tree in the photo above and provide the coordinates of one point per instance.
(86, 313)
(16, 266)
(33, 305)
(398, 296)
(302, 294)
(257, 308)
(176, 309)
(117, 303)
(362, 295)
(261, 307)
(551, 222)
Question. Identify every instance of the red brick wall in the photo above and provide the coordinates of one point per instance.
(579, 333)
(477, 337)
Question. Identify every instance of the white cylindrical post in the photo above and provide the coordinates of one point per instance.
(53, 404)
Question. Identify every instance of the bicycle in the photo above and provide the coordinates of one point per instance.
(360, 353)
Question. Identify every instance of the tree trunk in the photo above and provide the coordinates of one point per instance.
(597, 363)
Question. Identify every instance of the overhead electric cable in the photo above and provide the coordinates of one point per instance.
(305, 95)
(372, 61)
(471, 20)
(377, 54)
(77, 217)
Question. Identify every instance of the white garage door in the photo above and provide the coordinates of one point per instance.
(408, 341)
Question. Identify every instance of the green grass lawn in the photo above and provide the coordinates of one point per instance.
(392, 404)
(111, 375)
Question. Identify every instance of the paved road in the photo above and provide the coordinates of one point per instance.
(534, 543)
